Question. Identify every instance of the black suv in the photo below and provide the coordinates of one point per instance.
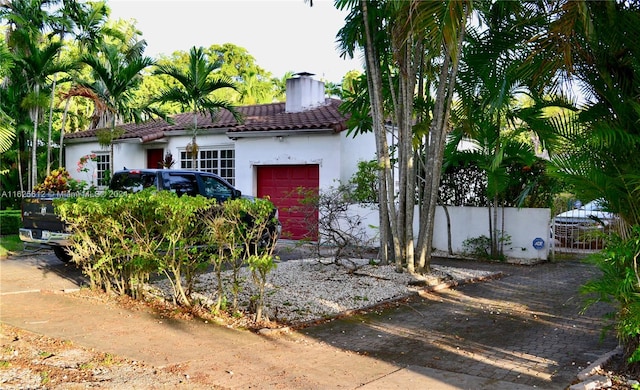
(181, 182)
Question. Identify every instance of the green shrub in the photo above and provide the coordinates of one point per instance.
(119, 241)
(364, 182)
(619, 284)
(240, 230)
(180, 228)
(10, 222)
(478, 247)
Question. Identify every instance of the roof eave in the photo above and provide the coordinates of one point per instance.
(82, 140)
(276, 133)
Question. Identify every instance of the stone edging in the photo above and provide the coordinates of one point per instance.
(588, 378)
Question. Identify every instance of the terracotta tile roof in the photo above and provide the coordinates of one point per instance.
(257, 118)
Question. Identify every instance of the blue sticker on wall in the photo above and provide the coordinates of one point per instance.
(538, 243)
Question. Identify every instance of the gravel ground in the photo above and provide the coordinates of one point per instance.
(307, 290)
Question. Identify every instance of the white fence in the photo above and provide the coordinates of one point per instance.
(528, 229)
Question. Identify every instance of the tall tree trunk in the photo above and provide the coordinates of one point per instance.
(194, 143)
(448, 217)
(53, 91)
(386, 191)
(502, 230)
(111, 162)
(406, 92)
(19, 158)
(495, 234)
(19, 163)
(62, 129)
(437, 141)
(34, 146)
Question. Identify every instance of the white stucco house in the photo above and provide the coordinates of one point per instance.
(277, 148)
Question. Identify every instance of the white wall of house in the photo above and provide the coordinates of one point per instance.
(320, 149)
(175, 144)
(336, 154)
(354, 150)
(126, 154)
(73, 153)
(522, 225)
(129, 155)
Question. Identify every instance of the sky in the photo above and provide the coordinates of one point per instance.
(282, 35)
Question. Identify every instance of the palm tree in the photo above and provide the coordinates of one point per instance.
(193, 92)
(38, 64)
(116, 74)
(490, 82)
(279, 86)
(27, 21)
(414, 30)
(7, 130)
(590, 46)
(86, 23)
(254, 89)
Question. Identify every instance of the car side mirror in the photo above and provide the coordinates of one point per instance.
(236, 193)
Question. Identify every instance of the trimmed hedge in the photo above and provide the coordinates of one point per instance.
(10, 222)
(120, 241)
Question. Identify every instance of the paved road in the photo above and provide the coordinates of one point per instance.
(522, 331)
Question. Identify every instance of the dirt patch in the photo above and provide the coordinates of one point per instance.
(32, 361)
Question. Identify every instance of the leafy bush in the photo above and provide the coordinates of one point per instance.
(477, 247)
(364, 182)
(10, 221)
(620, 285)
(480, 247)
(120, 241)
(59, 180)
(241, 230)
(179, 234)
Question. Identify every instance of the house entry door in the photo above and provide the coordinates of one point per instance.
(154, 158)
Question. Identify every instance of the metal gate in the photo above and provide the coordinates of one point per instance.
(584, 229)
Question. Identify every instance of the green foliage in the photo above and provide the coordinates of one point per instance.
(10, 243)
(480, 247)
(477, 247)
(10, 221)
(243, 233)
(178, 234)
(619, 284)
(365, 182)
(118, 241)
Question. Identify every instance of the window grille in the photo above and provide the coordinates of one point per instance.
(215, 160)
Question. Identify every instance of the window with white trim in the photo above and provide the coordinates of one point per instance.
(220, 161)
(103, 174)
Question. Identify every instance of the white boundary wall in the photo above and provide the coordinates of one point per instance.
(523, 225)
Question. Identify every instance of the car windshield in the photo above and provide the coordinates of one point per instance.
(133, 182)
(594, 205)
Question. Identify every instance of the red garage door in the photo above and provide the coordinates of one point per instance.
(282, 183)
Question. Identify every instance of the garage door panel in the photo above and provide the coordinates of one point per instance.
(281, 184)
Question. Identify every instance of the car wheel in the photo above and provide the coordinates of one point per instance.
(62, 254)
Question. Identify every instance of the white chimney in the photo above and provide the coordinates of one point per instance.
(303, 93)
